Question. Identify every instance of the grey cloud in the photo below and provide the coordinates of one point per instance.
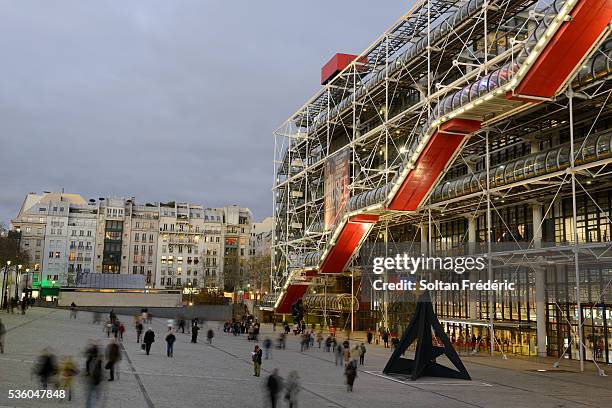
(162, 99)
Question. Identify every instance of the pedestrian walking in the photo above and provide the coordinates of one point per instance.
(138, 331)
(267, 344)
(2, 333)
(346, 355)
(68, 370)
(73, 311)
(362, 354)
(194, 333)
(385, 338)
(274, 385)
(121, 331)
(356, 354)
(149, 338)
(319, 338)
(351, 373)
(91, 353)
(256, 356)
(46, 368)
(369, 336)
(339, 353)
(170, 339)
(209, 336)
(94, 378)
(291, 389)
(113, 356)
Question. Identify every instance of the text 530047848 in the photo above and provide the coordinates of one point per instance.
(39, 393)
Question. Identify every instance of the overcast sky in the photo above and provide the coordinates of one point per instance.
(162, 100)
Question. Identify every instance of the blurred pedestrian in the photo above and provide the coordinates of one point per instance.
(46, 367)
(113, 356)
(73, 311)
(209, 335)
(291, 389)
(369, 336)
(274, 385)
(138, 331)
(91, 353)
(346, 355)
(194, 333)
(338, 355)
(170, 339)
(351, 373)
(256, 356)
(94, 378)
(267, 344)
(149, 338)
(68, 370)
(362, 354)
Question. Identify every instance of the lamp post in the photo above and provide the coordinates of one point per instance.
(190, 294)
(5, 285)
(25, 297)
(17, 275)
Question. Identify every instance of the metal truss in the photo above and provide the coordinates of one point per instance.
(379, 106)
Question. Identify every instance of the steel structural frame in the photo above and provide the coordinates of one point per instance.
(300, 151)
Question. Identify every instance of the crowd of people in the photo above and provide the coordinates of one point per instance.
(101, 363)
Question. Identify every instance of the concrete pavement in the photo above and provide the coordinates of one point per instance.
(220, 375)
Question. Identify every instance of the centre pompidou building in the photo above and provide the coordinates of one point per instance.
(474, 127)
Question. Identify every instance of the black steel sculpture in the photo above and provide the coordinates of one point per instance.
(424, 363)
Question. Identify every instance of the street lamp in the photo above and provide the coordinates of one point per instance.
(17, 275)
(5, 285)
(25, 298)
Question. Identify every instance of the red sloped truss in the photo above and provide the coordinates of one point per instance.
(351, 236)
(291, 294)
(440, 149)
(568, 46)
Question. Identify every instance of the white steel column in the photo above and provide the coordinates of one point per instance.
(540, 282)
(472, 298)
(489, 236)
(424, 238)
(570, 95)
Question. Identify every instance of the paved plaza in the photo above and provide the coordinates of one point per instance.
(221, 375)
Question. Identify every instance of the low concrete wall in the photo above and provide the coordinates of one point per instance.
(206, 312)
(110, 299)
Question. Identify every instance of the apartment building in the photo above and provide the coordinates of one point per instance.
(171, 244)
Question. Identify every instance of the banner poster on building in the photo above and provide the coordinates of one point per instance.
(336, 187)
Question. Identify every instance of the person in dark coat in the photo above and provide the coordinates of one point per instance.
(351, 373)
(46, 367)
(370, 335)
(274, 385)
(113, 356)
(149, 338)
(209, 335)
(170, 339)
(194, 333)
